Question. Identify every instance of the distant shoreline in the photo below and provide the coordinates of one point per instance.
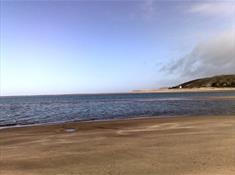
(165, 90)
(178, 90)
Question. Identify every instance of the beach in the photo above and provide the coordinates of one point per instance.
(151, 146)
(184, 90)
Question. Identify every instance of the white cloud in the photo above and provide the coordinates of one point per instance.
(225, 8)
(212, 57)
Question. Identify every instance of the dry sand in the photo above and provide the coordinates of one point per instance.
(173, 146)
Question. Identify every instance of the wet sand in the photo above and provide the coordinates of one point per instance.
(170, 146)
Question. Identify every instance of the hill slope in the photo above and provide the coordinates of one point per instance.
(221, 81)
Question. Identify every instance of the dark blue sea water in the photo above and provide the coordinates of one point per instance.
(27, 110)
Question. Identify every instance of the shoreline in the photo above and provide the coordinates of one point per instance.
(89, 121)
(190, 145)
(184, 90)
(3, 127)
(164, 90)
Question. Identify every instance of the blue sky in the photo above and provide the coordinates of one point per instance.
(58, 47)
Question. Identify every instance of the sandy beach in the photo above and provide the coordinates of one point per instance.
(184, 90)
(166, 146)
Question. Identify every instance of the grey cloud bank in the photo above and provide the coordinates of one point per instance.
(212, 57)
(223, 8)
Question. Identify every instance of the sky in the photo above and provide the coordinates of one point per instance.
(65, 47)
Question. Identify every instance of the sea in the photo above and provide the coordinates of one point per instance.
(46, 109)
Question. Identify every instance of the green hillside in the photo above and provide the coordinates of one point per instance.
(221, 81)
